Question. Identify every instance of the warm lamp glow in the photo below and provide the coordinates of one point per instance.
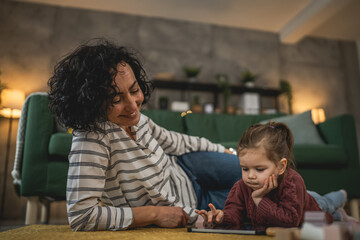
(11, 102)
(318, 115)
(8, 112)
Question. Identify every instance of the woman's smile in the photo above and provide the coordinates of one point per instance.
(130, 115)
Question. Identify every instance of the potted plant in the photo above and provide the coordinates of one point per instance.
(196, 106)
(248, 78)
(223, 84)
(192, 72)
(286, 89)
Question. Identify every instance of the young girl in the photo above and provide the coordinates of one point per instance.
(271, 192)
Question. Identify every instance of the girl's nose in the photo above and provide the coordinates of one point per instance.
(251, 174)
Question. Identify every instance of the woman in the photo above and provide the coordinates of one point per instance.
(123, 169)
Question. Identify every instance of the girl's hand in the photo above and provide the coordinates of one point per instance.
(269, 184)
(213, 216)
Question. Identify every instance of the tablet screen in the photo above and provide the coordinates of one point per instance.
(226, 231)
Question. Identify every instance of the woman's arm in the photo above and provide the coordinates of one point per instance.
(88, 168)
(162, 216)
(177, 144)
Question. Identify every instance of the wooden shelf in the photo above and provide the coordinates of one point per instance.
(212, 87)
(184, 86)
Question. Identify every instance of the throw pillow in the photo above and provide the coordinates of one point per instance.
(302, 128)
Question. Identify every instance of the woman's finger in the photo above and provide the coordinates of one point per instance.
(204, 216)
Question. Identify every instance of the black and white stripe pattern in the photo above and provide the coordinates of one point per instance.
(122, 173)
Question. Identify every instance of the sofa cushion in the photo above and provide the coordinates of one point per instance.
(60, 145)
(323, 156)
(56, 179)
(167, 119)
(216, 127)
(302, 128)
(221, 128)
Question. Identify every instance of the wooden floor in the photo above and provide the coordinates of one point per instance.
(39, 232)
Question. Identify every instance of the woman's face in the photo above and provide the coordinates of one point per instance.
(126, 104)
(256, 167)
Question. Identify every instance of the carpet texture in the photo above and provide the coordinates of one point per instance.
(39, 232)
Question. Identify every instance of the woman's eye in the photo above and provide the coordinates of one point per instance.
(117, 99)
(135, 91)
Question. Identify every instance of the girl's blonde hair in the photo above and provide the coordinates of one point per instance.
(275, 138)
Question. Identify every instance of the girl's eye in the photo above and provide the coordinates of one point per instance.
(260, 169)
(245, 169)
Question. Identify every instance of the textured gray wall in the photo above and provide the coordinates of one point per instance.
(34, 37)
(323, 73)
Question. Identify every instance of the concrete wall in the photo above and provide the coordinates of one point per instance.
(323, 73)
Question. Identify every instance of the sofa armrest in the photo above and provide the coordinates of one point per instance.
(39, 127)
(340, 130)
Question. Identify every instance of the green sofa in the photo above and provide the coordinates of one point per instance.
(41, 163)
(43, 171)
(327, 167)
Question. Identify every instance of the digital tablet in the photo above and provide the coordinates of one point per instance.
(225, 231)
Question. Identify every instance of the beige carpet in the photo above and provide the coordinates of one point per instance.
(38, 232)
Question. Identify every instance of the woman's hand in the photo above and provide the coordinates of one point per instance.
(269, 184)
(163, 216)
(171, 217)
(213, 216)
(230, 151)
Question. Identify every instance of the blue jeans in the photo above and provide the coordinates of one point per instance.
(330, 202)
(212, 174)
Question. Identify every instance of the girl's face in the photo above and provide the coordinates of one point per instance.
(127, 103)
(256, 167)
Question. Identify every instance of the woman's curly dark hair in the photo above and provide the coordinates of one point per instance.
(81, 88)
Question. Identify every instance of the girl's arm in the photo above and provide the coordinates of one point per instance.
(288, 209)
(235, 208)
(177, 144)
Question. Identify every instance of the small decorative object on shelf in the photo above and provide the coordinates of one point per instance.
(248, 78)
(223, 84)
(165, 76)
(192, 72)
(286, 89)
(209, 108)
(196, 106)
(250, 103)
(179, 106)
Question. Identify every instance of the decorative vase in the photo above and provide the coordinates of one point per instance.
(249, 84)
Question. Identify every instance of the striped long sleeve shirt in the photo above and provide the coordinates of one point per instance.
(110, 174)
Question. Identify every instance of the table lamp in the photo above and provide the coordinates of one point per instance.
(318, 115)
(11, 102)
